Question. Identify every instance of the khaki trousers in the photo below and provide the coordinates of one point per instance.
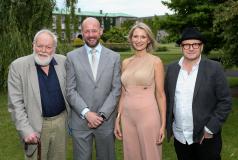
(53, 139)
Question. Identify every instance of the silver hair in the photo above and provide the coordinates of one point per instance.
(48, 32)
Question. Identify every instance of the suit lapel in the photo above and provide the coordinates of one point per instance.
(174, 78)
(200, 77)
(102, 63)
(59, 71)
(34, 81)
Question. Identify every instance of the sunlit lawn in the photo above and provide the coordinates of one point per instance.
(173, 53)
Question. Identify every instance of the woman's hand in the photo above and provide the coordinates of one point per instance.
(117, 129)
(161, 136)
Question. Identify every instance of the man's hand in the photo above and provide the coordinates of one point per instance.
(32, 138)
(94, 120)
(206, 136)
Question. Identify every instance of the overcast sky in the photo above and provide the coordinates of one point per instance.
(138, 8)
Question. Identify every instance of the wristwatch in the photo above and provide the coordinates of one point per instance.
(102, 115)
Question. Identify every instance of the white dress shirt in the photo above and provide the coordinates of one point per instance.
(98, 49)
(183, 115)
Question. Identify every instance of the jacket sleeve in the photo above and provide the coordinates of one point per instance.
(224, 101)
(16, 103)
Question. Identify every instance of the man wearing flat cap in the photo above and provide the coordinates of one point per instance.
(198, 101)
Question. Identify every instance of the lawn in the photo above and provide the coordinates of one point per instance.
(171, 54)
(10, 148)
(233, 81)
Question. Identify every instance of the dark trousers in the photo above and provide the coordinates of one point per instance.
(210, 149)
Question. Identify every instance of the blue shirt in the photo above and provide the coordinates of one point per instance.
(52, 99)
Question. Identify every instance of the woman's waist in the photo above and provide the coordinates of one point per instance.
(139, 89)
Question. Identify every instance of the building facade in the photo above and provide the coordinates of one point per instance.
(67, 28)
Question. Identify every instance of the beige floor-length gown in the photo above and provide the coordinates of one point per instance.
(140, 115)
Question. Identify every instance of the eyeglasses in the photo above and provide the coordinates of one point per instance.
(41, 47)
(193, 45)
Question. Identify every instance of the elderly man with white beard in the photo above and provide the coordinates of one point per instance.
(36, 99)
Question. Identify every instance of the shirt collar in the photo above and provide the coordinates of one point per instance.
(182, 59)
(98, 48)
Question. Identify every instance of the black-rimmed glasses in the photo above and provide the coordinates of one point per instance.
(193, 45)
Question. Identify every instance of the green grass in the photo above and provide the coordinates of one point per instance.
(11, 149)
(233, 81)
(229, 133)
(173, 53)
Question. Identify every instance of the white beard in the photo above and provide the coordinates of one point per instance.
(41, 62)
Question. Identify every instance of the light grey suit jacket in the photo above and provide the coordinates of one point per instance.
(84, 92)
(24, 100)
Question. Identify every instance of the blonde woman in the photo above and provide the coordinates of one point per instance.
(142, 106)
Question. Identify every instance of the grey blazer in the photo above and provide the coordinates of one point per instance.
(24, 101)
(83, 91)
(211, 100)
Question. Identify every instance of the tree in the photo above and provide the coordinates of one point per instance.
(59, 27)
(20, 20)
(226, 24)
(154, 24)
(70, 19)
(190, 13)
(116, 35)
(70, 4)
(127, 24)
(68, 28)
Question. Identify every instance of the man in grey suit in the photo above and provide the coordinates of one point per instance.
(36, 99)
(198, 101)
(92, 89)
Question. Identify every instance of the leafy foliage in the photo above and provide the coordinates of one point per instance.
(68, 28)
(118, 47)
(78, 42)
(216, 19)
(63, 48)
(20, 20)
(189, 13)
(226, 24)
(127, 24)
(154, 24)
(116, 35)
(59, 27)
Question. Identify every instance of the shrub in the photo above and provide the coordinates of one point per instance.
(118, 47)
(161, 49)
(115, 35)
(77, 42)
(64, 48)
